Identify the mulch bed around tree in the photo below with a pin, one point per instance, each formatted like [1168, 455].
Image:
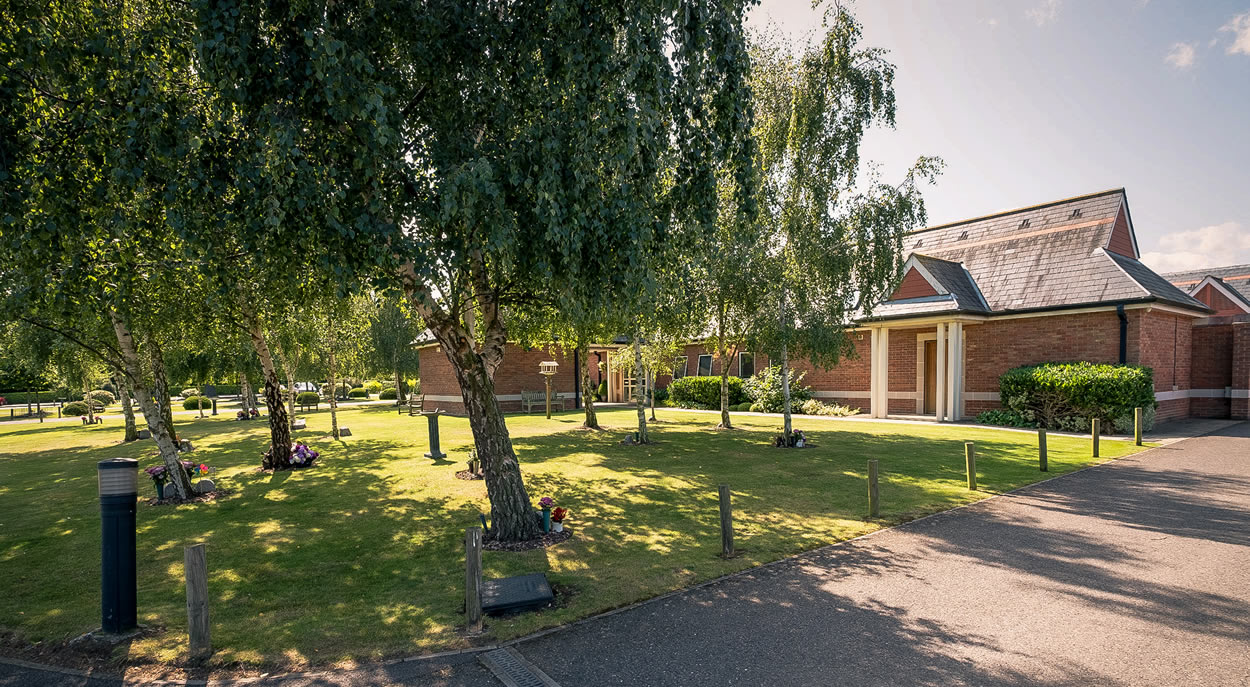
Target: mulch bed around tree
[465, 474]
[548, 539]
[198, 498]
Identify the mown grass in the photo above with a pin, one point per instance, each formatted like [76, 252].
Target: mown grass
[362, 557]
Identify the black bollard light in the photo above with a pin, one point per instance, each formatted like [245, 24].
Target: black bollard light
[214, 406]
[119, 491]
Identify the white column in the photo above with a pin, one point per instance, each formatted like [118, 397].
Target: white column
[874, 363]
[952, 333]
[957, 412]
[885, 371]
[940, 373]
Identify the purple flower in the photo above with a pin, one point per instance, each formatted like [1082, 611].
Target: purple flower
[546, 502]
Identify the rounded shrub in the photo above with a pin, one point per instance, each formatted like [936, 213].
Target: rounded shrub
[78, 408]
[192, 402]
[388, 394]
[1066, 395]
[103, 397]
[602, 392]
[308, 398]
[189, 392]
[765, 390]
[358, 392]
[704, 392]
[374, 387]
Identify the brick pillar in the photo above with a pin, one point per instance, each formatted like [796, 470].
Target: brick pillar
[1240, 405]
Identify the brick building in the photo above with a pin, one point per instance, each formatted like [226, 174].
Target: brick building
[1060, 281]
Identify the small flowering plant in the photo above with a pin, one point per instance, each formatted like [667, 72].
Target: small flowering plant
[160, 474]
[558, 514]
[546, 502]
[303, 456]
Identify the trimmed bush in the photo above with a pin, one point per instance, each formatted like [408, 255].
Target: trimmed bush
[704, 392]
[813, 407]
[742, 407]
[1004, 418]
[1065, 396]
[189, 392]
[661, 395]
[103, 397]
[78, 408]
[602, 392]
[764, 389]
[191, 403]
[358, 392]
[388, 394]
[373, 387]
[307, 398]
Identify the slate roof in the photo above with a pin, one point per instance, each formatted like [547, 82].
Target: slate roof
[1235, 277]
[1044, 257]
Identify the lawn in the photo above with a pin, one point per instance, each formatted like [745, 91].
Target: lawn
[362, 556]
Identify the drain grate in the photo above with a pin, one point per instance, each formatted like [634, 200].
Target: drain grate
[513, 670]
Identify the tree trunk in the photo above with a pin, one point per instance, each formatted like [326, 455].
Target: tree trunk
[640, 400]
[86, 397]
[123, 394]
[651, 389]
[199, 400]
[334, 390]
[160, 388]
[512, 514]
[399, 389]
[279, 429]
[245, 394]
[722, 352]
[785, 393]
[289, 371]
[588, 390]
[162, 433]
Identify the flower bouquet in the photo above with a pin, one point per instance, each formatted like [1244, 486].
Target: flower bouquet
[302, 456]
[557, 519]
[160, 474]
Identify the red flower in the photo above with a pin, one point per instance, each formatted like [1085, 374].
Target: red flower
[558, 514]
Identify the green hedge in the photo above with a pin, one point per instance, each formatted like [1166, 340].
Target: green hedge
[358, 392]
[191, 403]
[78, 408]
[388, 394]
[1066, 396]
[704, 392]
[373, 387]
[19, 397]
[308, 398]
[104, 397]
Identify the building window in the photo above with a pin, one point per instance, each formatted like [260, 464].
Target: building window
[679, 366]
[746, 365]
[705, 365]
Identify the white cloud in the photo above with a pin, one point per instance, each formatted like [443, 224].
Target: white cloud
[1214, 246]
[1239, 26]
[1181, 55]
[1043, 13]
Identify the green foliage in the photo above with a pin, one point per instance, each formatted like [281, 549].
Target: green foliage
[1066, 395]
[21, 397]
[308, 398]
[343, 389]
[194, 403]
[373, 387]
[103, 397]
[388, 394]
[814, 407]
[1004, 418]
[358, 392]
[704, 392]
[764, 390]
[661, 395]
[75, 408]
[602, 392]
[227, 389]
[741, 407]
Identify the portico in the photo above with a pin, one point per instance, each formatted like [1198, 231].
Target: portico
[939, 369]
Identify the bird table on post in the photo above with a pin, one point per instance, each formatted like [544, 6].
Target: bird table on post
[548, 369]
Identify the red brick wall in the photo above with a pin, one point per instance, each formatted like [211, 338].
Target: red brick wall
[1211, 368]
[518, 372]
[1165, 346]
[692, 353]
[914, 286]
[1240, 406]
[850, 374]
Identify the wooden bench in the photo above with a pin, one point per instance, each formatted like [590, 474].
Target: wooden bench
[529, 399]
[416, 404]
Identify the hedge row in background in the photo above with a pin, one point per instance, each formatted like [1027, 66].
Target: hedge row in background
[704, 392]
[1065, 396]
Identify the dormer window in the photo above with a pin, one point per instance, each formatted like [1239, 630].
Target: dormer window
[963, 235]
[1024, 224]
[1075, 213]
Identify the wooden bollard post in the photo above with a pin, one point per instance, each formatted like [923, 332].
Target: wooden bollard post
[1095, 431]
[726, 523]
[1041, 449]
[195, 565]
[874, 497]
[1137, 425]
[970, 459]
[473, 579]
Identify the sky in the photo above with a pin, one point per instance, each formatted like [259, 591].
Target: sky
[1029, 101]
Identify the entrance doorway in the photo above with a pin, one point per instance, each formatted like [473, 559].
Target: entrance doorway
[930, 378]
